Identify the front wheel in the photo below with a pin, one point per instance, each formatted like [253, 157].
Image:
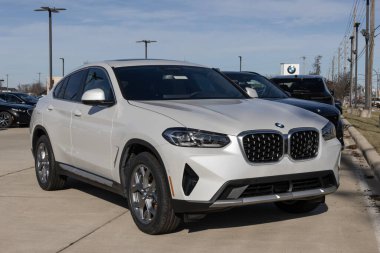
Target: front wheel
[6, 119]
[46, 168]
[149, 197]
[300, 206]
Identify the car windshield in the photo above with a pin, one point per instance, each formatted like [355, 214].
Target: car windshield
[263, 87]
[174, 83]
[27, 98]
[300, 86]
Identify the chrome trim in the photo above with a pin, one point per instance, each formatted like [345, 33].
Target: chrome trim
[261, 131]
[86, 174]
[274, 197]
[286, 143]
[295, 130]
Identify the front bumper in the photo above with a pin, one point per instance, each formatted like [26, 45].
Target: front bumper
[219, 168]
[264, 190]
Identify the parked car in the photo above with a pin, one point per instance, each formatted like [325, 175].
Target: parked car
[14, 114]
[267, 90]
[376, 102]
[18, 98]
[309, 87]
[179, 140]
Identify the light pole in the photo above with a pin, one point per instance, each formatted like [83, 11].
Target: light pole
[63, 66]
[50, 10]
[351, 73]
[356, 63]
[146, 42]
[7, 81]
[39, 77]
[240, 61]
[1, 80]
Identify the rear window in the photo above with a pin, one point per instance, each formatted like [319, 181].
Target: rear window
[307, 85]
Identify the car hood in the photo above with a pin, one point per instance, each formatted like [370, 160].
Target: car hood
[233, 116]
[319, 108]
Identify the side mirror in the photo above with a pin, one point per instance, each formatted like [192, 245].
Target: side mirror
[251, 92]
[94, 97]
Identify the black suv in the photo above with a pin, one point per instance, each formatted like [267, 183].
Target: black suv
[267, 90]
[309, 87]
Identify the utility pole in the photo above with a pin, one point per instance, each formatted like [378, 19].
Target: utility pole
[146, 42]
[39, 77]
[338, 64]
[351, 73]
[367, 106]
[371, 52]
[7, 82]
[345, 57]
[332, 70]
[356, 63]
[240, 62]
[63, 66]
[304, 64]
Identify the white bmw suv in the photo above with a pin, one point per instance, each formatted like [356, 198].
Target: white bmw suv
[179, 140]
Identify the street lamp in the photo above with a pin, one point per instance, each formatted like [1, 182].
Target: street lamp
[240, 62]
[146, 42]
[50, 10]
[63, 66]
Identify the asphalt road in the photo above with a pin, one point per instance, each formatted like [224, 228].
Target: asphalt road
[85, 219]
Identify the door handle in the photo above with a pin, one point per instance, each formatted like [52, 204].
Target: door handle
[50, 108]
[77, 113]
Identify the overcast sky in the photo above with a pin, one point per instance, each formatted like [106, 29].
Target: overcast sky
[209, 32]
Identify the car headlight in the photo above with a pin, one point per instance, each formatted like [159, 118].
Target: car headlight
[185, 137]
[328, 131]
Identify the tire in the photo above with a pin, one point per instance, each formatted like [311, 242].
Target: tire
[300, 206]
[46, 167]
[6, 119]
[148, 195]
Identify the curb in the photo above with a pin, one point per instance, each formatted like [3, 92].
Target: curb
[369, 152]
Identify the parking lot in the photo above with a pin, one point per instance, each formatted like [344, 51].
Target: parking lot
[82, 218]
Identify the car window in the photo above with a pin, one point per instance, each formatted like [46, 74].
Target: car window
[98, 79]
[2, 96]
[174, 83]
[73, 87]
[59, 88]
[263, 87]
[304, 85]
[13, 99]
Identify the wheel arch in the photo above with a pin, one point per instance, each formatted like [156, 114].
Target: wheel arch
[38, 131]
[134, 147]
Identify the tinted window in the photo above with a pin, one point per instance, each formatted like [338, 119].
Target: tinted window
[73, 87]
[13, 99]
[298, 86]
[59, 88]
[2, 96]
[174, 82]
[98, 79]
[28, 98]
[263, 87]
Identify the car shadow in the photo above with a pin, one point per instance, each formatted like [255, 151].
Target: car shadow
[236, 217]
[247, 216]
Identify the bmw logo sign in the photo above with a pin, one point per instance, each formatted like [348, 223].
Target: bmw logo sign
[279, 125]
[292, 69]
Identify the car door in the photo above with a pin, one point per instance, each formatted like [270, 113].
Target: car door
[92, 127]
[57, 116]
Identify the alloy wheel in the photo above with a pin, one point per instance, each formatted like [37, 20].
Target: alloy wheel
[43, 164]
[5, 119]
[143, 195]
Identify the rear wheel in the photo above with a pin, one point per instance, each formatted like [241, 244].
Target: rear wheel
[149, 197]
[300, 206]
[46, 167]
[6, 119]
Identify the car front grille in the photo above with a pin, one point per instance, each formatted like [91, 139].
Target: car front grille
[263, 147]
[279, 184]
[304, 144]
[266, 146]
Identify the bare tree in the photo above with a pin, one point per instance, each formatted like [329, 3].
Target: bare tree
[341, 88]
[35, 88]
[316, 66]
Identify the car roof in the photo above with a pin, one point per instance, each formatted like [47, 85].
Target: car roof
[296, 77]
[139, 62]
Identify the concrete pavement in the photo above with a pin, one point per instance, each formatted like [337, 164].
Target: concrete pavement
[86, 219]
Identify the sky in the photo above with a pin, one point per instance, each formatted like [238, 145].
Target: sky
[209, 32]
